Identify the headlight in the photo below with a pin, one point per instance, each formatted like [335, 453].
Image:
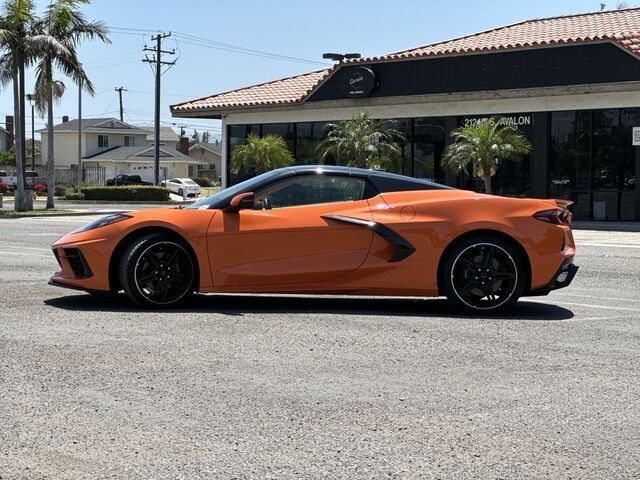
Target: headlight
[104, 221]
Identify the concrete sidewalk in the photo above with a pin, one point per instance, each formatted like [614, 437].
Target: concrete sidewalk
[606, 226]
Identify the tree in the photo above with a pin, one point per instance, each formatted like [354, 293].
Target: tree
[195, 138]
[478, 146]
[360, 142]
[205, 137]
[16, 39]
[64, 22]
[262, 153]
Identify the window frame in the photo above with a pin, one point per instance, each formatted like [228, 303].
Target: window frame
[103, 141]
[367, 191]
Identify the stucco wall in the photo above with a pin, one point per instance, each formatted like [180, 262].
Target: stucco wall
[215, 161]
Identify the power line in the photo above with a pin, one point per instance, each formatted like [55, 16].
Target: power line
[204, 42]
[212, 44]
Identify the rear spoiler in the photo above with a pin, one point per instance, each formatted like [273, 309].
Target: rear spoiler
[563, 204]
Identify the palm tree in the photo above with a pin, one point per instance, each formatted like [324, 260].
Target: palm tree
[478, 146]
[65, 23]
[264, 153]
[360, 142]
[16, 21]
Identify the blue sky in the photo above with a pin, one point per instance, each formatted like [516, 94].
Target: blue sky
[303, 29]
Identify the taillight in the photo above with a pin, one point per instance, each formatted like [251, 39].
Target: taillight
[555, 216]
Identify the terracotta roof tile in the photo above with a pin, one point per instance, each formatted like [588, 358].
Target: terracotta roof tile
[618, 26]
[281, 91]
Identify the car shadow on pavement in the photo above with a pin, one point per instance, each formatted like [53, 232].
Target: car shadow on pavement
[239, 305]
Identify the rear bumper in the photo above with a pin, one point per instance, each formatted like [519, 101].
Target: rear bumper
[562, 278]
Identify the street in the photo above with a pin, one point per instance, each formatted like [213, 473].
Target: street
[318, 387]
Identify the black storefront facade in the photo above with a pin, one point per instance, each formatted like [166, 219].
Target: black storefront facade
[578, 104]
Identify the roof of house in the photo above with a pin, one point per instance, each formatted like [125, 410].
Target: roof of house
[211, 147]
[166, 134]
[621, 27]
[96, 125]
[137, 154]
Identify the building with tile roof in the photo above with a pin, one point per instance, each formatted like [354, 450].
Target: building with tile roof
[571, 83]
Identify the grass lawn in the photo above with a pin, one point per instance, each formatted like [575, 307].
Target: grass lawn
[208, 191]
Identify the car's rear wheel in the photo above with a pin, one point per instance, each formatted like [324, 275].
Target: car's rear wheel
[157, 271]
[483, 274]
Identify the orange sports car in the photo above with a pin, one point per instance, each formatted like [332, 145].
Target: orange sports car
[329, 230]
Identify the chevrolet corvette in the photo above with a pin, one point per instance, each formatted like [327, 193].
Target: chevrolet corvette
[328, 230]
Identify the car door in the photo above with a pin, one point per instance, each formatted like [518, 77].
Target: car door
[173, 185]
[289, 237]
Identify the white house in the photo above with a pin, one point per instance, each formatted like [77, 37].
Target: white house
[211, 154]
[168, 138]
[110, 147]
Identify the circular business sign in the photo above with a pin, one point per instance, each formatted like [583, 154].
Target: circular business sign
[357, 82]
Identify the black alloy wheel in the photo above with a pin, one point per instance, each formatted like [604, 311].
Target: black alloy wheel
[180, 192]
[157, 271]
[484, 274]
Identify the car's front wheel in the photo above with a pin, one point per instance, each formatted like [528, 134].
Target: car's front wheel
[157, 270]
[483, 275]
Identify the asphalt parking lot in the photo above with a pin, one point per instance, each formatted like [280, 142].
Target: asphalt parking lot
[299, 387]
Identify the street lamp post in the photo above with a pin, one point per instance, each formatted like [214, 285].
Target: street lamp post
[31, 97]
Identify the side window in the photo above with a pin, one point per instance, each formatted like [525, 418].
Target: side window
[309, 190]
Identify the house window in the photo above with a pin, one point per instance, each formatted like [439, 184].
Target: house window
[103, 141]
[129, 141]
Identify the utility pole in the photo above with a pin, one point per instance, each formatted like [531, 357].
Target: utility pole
[120, 90]
[79, 135]
[31, 97]
[157, 60]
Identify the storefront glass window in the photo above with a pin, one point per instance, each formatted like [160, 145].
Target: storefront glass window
[429, 143]
[613, 166]
[309, 136]
[284, 130]
[570, 151]
[399, 162]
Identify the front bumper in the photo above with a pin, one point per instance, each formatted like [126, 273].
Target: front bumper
[84, 265]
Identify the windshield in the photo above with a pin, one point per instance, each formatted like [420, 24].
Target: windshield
[230, 192]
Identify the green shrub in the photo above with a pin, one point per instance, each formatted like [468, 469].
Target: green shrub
[60, 190]
[129, 193]
[203, 182]
[71, 195]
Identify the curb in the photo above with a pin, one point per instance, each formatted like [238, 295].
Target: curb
[67, 214]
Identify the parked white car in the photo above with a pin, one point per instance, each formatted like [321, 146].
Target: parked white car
[185, 187]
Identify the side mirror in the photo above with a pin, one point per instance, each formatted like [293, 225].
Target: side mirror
[240, 202]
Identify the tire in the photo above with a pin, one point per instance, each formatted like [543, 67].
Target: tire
[158, 271]
[483, 275]
[180, 192]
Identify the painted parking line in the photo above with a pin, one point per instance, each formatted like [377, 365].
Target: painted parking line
[567, 294]
[587, 305]
[617, 317]
[20, 247]
[26, 253]
[612, 245]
